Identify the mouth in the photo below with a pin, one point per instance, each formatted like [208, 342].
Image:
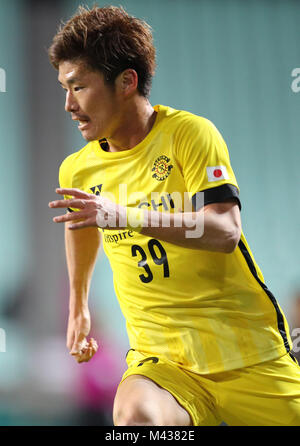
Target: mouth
[82, 123]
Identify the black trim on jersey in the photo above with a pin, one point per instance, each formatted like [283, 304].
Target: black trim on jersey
[70, 210]
[280, 320]
[131, 349]
[293, 358]
[104, 144]
[218, 195]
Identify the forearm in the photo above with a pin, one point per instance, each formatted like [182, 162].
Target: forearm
[216, 227]
[81, 253]
[206, 229]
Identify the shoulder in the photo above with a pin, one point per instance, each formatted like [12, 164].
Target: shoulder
[192, 135]
[71, 163]
[76, 157]
[195, 127]
[185, 125]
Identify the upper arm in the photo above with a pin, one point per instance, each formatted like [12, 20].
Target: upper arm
[83, 240]
[82, 248]
[81, 245]
[229, 210]
[204, 159]
[227, 218]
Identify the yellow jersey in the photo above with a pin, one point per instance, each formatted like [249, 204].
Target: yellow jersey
[204, 311]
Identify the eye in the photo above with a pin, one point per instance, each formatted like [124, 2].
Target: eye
[78, 88]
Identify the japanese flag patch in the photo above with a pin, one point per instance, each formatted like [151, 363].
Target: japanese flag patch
[217, 173]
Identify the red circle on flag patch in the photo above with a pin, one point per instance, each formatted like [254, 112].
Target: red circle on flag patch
[217, 173]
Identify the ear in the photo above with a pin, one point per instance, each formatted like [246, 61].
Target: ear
[128, 81]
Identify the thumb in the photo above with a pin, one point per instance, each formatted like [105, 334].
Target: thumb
[78, 344]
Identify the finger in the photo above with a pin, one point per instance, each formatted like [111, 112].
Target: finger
[79, 344]
[71, 203]
[90, 348]
[87, 352]
[71, 216]
[74, 192]
[94, 344]
[87, 355]
[83, 357]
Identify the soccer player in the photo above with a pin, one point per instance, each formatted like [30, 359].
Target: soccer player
[209, 341]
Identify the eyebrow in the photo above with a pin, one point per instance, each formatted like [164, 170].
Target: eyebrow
[70, 81]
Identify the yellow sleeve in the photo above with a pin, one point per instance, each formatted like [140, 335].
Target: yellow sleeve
[65, 176]
[204, 159]
[65, 173]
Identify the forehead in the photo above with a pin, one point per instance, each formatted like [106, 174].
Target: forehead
[70, 71]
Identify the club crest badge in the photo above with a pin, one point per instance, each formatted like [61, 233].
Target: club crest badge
[161, 168]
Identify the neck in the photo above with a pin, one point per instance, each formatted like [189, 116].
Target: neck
[134, 125]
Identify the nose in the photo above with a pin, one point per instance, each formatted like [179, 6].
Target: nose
[70, 104]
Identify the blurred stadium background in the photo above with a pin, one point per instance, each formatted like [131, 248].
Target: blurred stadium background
[228, 60]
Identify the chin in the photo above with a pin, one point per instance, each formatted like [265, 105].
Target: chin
[88, 136]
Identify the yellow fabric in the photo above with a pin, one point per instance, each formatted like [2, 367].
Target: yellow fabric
[135, 219]
[205, 311]
[265, 394]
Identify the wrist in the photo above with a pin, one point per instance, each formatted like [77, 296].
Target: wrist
[77, 304]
